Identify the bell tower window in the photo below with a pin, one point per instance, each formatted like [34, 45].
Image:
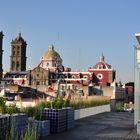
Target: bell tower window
[13, 65]
[18, 50]
[17, 66]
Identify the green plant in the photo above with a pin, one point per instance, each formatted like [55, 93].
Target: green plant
[41, 105]
[119, 105]
[57, 103]
[2, 105]
[11, 133]
[31, 133]
[38, 114]
[2, 101]
[12, 109]
[66, 103]
[84, 103]
[29, 110]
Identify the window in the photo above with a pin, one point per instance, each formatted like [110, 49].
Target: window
[13, 65]
[13, 52]
[85, 77]
[18, 50]
[68, 86]
[17, 65]
[62, 87]
[37, 82]
[73, 87]
[47, 64]
[100, 76]
[62, 76]
[73, 76]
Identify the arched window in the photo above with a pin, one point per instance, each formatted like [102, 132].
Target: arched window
[73, 76]
[80, 75]
[47, 64]
[13, 65]
[17, 68]
[18, 50]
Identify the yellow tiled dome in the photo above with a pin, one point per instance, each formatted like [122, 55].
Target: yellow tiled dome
[51, 54]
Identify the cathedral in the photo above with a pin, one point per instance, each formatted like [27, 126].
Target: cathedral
[47, 71]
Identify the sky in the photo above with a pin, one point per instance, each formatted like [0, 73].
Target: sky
[80, 30]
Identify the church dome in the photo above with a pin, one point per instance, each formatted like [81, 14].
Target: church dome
[102, 64]
[51, 54]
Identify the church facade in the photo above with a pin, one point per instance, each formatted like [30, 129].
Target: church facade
[104, 75]
[44, 77]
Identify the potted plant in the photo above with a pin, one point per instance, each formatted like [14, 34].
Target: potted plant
[42, 126]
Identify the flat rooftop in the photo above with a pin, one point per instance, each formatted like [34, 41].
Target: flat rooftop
[104, 126]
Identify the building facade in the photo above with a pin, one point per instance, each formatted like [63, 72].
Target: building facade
[51, 76]
[44, 77]
[137, 80]
[104, 75]
[18, 54]
[19, 78]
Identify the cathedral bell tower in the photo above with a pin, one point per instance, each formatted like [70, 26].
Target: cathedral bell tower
[1, 53]
[18, 54]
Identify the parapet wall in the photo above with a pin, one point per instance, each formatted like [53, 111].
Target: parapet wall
[82, 113]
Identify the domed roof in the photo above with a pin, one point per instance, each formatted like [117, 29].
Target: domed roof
[102, 64]
[51, 53]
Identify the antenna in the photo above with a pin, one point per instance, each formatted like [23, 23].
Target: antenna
[58, 42]
[58, 37]
[79, 59]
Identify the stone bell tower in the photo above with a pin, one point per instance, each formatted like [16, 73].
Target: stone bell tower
[18, 54]
[1, 53]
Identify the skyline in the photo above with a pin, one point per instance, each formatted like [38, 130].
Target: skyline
[81, 32]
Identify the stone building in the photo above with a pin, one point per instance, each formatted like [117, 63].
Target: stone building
[1, 54]
[18, 54]
[17, 73]
[38, 76]
[44, 77]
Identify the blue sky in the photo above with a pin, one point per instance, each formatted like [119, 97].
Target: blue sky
[81, 31]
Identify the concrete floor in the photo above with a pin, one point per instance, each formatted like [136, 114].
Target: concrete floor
[105, 126]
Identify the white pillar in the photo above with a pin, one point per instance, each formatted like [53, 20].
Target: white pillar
[137, 85]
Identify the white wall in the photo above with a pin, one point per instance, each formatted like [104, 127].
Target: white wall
[82, 113]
